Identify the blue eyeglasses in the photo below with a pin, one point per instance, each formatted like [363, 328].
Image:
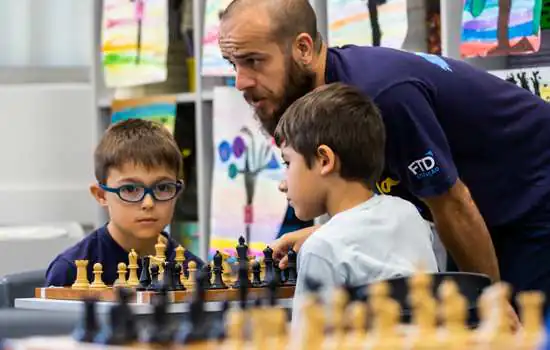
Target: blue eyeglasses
[133, 193]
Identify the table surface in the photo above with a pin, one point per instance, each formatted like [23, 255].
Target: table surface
[103, 307]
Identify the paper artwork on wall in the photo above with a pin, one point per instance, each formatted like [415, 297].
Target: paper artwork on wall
[248, 168]
[213, 63]
[535, 80]
[161, 109]
[134, 42]
[500, 27]
[369, 22]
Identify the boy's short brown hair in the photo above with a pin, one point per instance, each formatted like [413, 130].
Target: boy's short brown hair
[344, 119]
[138, 141]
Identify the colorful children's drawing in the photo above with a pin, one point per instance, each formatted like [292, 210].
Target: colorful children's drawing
[134, 42]
[500, 27]
[161, 109]
[247, 171]
[535, 80]
[367, 22]
[213, 63]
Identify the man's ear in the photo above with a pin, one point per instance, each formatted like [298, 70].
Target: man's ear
[326, 159]
[303, 49]
[99, 194]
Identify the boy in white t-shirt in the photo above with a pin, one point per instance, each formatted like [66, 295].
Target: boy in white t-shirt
[332, 141]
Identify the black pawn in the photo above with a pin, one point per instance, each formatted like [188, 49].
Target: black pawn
[196, 328]
[243, 287]
[218, 271]
[217, 332]
[155, 284]
[256, 270]
[277, 272]
[177, 278]
[168, 277]
[208, 276]
[242, 250]
[268, 260]
[159, 331]
[128, 325]
[291, 268]
[87, 329]
[272, 292]
[145, 276]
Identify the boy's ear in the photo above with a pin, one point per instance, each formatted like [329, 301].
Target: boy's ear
[326, 159]
[99, 194]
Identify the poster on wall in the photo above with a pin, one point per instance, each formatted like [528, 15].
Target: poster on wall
[367, 22]
[247, 170]
[161, 109]
[213, 63]
[134, 42]
[535, 80]
[500, 27]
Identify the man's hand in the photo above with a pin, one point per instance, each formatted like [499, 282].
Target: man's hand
[292, 239]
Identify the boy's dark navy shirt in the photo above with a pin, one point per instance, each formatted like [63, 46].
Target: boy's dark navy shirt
[447, 119]
[100, 247]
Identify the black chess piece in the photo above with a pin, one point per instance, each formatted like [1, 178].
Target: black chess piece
[177, 280]
[129, 326]
[218, 272]
[121, 328]
[112, 333]
[291, 268]
[87, 328]
[217, 332]
[272, 286]
[243, 287]
[208, 279]
[242, 250]
[155, 284]
[277, 272]
[256, 279]
[159, 331]
[145, 276]
[168, 277]
[268, 261]
[196, 328]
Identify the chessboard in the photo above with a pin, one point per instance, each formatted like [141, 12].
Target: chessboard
[354, 323]
[178, 280]
[146, 297]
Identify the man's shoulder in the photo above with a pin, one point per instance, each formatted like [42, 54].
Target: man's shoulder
[371, 69]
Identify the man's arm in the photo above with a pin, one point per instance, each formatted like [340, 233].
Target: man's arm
[463, 231]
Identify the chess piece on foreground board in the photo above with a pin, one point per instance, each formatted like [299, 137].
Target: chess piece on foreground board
[158, 273]
[353, 321]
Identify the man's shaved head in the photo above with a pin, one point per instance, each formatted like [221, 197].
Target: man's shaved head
[287, 18]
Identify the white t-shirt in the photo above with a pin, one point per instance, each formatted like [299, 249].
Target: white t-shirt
[381, 238]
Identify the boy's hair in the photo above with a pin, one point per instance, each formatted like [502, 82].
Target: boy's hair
[138, 141]
[344, 119]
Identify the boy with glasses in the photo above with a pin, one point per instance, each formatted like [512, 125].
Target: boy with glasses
[137, 164]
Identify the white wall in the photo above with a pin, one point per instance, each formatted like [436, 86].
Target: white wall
[45, 32]
[46, 147]
[48, 120]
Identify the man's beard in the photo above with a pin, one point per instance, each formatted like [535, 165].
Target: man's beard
[298, 82]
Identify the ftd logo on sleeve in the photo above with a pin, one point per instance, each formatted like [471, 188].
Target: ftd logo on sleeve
[424, 167]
